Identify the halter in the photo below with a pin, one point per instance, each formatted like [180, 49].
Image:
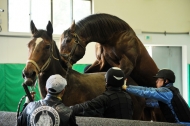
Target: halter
[46, 64]
[77, 41]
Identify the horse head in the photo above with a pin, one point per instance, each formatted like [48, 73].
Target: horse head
[72, 47]
[40, 54]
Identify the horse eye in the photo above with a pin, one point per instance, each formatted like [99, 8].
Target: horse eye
[68, 40]
[47, 47]
[65, 41]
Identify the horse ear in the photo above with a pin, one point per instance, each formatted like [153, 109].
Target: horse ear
[33, 28]
[72, 28]
[49, 28]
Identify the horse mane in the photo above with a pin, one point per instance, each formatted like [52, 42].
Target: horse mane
[101, 26]
[63, 64]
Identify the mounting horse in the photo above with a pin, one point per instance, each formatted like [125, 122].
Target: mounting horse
[117, 46]
[44, 60]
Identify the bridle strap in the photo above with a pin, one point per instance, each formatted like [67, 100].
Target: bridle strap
[78, 40]
[46, 64]
[44, 67]
[34, 63]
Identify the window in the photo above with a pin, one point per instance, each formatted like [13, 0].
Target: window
[60, 12]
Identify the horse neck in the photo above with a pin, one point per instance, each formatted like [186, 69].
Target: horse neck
[86, 38]
[58, 66]
[56, 62]
[101, 33]
[53, 68]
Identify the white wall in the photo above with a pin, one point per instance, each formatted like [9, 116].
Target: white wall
[149, 15]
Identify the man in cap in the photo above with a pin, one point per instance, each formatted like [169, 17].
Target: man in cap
[171, 103]
[49, 111]
[113, 103]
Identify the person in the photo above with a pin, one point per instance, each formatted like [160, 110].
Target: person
[49, 111]
[113, 103]
[171, 103]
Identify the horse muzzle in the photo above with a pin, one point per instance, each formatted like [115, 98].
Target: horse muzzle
[29, 79]
[29, 82]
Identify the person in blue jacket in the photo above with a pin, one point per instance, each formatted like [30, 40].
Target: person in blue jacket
[171, 103]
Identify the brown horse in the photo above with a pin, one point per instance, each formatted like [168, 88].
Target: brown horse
[44, 60]
[118, 46]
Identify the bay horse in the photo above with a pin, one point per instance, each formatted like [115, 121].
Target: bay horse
[44, 60]
[117, 46]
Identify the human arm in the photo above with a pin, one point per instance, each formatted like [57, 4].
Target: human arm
[72, 120]
[161, 94]
[152, 103]
[95, 107]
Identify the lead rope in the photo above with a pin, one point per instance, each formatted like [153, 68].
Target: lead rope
[18, 108]
[19, 104]
[69, 59]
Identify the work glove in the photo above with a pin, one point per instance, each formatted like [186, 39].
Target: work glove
[124, 87]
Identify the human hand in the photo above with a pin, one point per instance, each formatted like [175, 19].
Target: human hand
[124, 87]
[32, 94]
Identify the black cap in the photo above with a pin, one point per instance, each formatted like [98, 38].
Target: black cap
[166, 74]
[115, 77]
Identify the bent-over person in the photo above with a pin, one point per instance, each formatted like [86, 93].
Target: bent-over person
[113, 103]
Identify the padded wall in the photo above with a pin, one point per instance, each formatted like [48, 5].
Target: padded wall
[11, 85]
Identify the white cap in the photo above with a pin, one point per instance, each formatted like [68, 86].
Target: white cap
[55, 83]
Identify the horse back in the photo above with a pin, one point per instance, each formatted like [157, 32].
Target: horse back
[83, 87]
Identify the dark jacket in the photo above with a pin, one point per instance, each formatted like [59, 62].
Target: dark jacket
[113, 103]
[65, 113]
[168, 99]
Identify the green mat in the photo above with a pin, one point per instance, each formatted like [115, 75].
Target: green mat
[11, 85]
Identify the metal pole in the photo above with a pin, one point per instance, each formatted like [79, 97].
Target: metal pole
[52, 12]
